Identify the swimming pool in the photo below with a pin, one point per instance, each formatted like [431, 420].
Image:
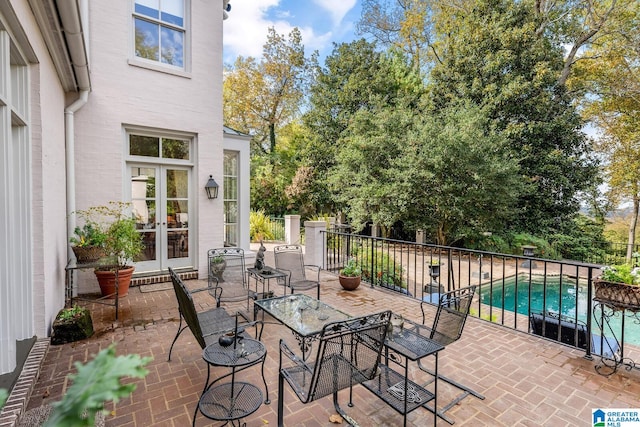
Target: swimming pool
[570, 299]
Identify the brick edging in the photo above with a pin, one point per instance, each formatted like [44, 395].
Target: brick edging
[21, 392]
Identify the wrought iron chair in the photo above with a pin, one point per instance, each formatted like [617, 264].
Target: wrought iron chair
[451, 316]
[289, 259]
[206, 326]
[348, 353]
[226, 268]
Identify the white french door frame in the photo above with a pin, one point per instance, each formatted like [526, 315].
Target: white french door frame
[170, 236]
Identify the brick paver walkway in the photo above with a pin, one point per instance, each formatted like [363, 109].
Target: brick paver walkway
[527, 381]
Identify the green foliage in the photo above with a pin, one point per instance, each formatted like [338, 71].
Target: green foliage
[623, 273]
[580, 239]
[70, 313]
[261, 97]
[95, 383]
[491, 55]
[89, 235]
[440, 172]
[115, 221]
[381, 270]
[351, 268]
[543, 248]
[260, 226]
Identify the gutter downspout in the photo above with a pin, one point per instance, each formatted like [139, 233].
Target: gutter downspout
[74, 17]
[69, 129]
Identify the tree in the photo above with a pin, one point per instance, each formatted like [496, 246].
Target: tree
[261, 97]
[612, 102]
[401, 24]
[440, 172]
[354, 78]
[491, 55]
[578, 24]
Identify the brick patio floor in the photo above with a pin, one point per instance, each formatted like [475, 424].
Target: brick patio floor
[527, 381]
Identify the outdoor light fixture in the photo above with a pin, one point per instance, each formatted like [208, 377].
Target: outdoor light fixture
[211, 188]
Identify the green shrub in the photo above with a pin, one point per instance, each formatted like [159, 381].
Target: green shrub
[386, 272]
[260, 226]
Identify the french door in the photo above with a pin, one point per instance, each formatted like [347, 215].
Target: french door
[160, 195]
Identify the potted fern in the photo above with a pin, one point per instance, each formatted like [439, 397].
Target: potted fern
[350, 275]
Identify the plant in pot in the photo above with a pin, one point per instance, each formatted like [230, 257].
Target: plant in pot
[123, 244]
[619, 287]
[350, 276]
[88, 243]
[218, 265]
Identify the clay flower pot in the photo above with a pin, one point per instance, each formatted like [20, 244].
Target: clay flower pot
[349, 283]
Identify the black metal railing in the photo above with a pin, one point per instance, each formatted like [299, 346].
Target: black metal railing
[509, 287]
[608, 253]
[276, 227]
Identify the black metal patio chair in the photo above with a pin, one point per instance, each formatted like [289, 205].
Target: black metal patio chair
[348, 353]
[451, 316]
[208, 325]
[226, 268]
[289, 258]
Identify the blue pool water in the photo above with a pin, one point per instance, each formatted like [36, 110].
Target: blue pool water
[569, 300]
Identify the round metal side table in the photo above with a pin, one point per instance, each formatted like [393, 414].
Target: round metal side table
[231, 401]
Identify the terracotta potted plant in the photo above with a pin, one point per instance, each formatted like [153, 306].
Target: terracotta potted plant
[619, 287]
[122, 244]
[350, 276]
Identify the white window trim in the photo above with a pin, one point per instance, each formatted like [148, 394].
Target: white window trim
[185, 70]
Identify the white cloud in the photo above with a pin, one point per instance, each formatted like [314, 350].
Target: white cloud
[245, 31]
[337, 8]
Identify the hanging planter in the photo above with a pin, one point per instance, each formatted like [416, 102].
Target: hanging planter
[617, 295]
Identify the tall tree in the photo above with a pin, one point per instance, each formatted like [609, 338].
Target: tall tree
[491, 55]
[401, 24]
[440, 172]
[578, 24]
[260, 97]
[612, 102]
[355, 76]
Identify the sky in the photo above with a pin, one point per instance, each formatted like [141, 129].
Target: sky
[321, 23]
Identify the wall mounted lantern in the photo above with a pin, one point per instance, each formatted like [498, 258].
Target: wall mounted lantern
[211, 188]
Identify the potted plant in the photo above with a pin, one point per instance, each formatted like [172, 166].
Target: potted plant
[218, 265]
[122, 244]
[350, 276]
[619, 287]
[88, 243]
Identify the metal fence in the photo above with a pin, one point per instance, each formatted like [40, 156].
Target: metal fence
[610, 253]
[276, 227]
[510, 288]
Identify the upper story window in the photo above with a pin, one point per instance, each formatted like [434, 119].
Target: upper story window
[160, 31]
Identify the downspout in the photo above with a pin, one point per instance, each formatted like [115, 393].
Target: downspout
[69, 129]
[74, 17]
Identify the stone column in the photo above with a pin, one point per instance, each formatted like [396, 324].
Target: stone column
[292, 229]
[315, 236]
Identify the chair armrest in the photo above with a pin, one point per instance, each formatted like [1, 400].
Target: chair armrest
[315, 268]
[287, 279]
[286, 351]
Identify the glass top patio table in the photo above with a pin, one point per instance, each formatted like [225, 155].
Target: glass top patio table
[304, 315]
